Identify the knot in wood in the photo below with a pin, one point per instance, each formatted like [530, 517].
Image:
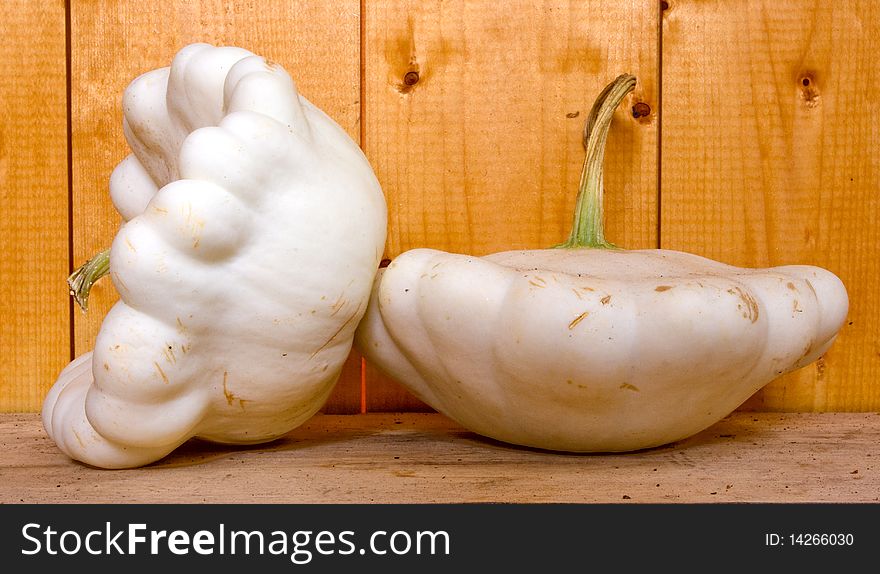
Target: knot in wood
[641, 110]
[411, 78]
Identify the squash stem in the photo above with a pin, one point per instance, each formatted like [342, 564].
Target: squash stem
[81, 280]
[588, 229]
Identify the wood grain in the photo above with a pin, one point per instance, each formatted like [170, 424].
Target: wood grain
[768, 151]
[424, 458]
[473, 119]
[769, 157]
[347, 395]
[317, 42]
[35, 316]
[383, 394]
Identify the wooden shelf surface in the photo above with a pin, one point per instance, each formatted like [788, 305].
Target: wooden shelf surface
[425, 458]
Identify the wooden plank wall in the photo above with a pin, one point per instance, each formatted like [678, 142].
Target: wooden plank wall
[483, 153]
[769, 157]
[759, 147]
[35, 311]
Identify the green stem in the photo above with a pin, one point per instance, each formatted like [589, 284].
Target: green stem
[81, 280]
[588, 227]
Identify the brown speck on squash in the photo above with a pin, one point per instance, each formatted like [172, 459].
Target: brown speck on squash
[339, 304]
[578, 319]
[749, 302]
[339, 330]
[161, 372]
[118, 281]
[662, 288]
[229, 396]
[810, 285]
[629, 387]
[807, 350]
[605, 300]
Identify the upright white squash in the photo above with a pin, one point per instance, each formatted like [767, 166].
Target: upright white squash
[253, 230]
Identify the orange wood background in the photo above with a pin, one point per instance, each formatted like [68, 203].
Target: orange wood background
[34, 203]
[759, 148]
[769, 157]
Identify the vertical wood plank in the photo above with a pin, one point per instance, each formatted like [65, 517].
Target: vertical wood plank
[473, 120]
[317, 42]
[346, 396]
[35, 315]
[384, 394]
[769, 156]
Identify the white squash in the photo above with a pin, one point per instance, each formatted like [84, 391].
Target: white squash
[588, 347]
[253, 230]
